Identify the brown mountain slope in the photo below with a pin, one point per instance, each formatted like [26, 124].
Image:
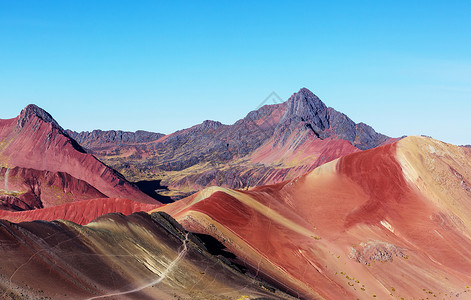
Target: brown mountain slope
[140, 256]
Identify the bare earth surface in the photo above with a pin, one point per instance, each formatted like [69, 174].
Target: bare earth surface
[388, 223]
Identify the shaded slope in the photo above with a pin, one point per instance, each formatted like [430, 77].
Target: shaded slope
[140, 256]
[393, 220]
[34, 140]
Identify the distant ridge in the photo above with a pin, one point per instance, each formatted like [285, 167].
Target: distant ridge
[271, 144]
[97, 138]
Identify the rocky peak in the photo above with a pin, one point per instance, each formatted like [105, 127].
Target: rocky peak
[306, 107]
[304, 104]
[33, 111]
[209, 124]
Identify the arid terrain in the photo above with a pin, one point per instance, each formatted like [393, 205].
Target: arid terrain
[271, 144]
[295, 201]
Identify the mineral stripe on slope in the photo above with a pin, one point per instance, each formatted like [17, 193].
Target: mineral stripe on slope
[375, 225]
[266, 235]
[251, 202]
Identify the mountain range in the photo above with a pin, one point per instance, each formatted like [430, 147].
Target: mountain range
[294, 201]
[271, 144]
[393, 221]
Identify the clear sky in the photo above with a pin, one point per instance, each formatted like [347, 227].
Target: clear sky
[403, 67]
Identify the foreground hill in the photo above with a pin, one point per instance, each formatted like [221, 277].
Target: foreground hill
[140, 256]
[393, 220]
[270, 145]
[41, 166]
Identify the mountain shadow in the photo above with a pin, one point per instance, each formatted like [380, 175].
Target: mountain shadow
[149, 188]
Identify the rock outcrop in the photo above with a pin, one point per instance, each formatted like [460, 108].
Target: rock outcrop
[98, 138]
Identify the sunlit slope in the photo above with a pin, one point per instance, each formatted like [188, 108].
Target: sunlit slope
[389, 222]
[442, 173]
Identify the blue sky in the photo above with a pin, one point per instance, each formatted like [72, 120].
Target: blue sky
[403, 67]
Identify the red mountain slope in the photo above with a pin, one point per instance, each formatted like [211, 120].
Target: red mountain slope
[23, 189]
[394, 220]
[34, 140]
[81, 212]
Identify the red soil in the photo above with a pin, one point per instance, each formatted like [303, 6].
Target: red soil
[361, 200]
[279, 244]
[82, 212]
[30, 141]
[38, 189]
